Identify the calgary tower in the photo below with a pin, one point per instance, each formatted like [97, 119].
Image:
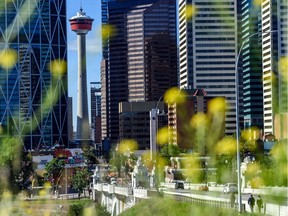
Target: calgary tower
[81, 24]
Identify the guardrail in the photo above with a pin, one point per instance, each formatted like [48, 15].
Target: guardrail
[140, 193]
[123, 191]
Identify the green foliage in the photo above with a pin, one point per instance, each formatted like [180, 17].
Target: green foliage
[81, 179]
[15, 165]
[101, 210]
[274, 167]
[117, 162]
[168, 151]
[89, 155]
[86, 208]
[76, 209]
[225, 164]
[54, 170]
[167, 207]
[23, 178]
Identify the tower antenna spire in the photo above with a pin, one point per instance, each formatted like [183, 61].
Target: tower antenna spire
[81, 8]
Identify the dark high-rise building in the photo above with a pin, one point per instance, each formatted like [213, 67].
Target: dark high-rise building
[134, 121]
[251, 64]
[70, 120]
[141, 63]
[33, 95]
[95, 94]
[180, 128]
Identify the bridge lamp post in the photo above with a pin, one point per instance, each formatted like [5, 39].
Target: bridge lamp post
[237, 115]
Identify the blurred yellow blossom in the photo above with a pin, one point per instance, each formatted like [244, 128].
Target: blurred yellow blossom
[250, 134]
[199, 120]
[107, 30]
[8, 58]
[58, 67]
[257, 2]
[283, 67]
[127, 145]
[174, 95]
[163, 136]
[217, 105]
[190, 11]
[192, 168]
[226, 146]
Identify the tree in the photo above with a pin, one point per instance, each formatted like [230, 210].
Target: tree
[89, 155]
[81, 180]
[117, 162]
[12, 164]
[23, 176]
[54, 170]
[168, 151]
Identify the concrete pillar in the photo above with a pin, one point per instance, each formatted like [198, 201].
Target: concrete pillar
[83, 132]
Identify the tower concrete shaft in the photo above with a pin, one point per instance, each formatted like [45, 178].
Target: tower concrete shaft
[82, 132]
[81, 25]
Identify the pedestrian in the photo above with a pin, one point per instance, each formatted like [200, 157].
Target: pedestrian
[251, 202]
[232, 200]
[259, 203]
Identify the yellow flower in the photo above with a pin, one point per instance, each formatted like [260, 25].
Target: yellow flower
[190, 11]
[251, 133]
[226, 146]
[283, 67]
[163, 136]
[127, 145]
[174, 95]
[107, 31]
[257, 2]
[58, 67]
[8, 58]
[217, 105]
[199, 120]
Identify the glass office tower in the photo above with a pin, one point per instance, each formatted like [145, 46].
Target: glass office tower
[251, 55]
[33, 100]
[141, 62]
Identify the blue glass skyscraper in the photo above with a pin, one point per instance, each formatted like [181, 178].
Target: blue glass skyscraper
[33, 101]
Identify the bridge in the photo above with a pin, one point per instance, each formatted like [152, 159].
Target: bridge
[119, 198]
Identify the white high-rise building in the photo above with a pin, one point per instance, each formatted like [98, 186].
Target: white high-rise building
[274, 50]
[208, 50]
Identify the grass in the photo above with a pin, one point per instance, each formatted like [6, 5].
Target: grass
[170, 207]
[41, 207]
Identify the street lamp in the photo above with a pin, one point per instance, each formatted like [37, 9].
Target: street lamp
[237, 116]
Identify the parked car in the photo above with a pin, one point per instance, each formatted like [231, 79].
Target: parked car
[203, 188]
[179, 185]
[230, 188]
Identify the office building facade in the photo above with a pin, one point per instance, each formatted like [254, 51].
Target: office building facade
[181, 131]
[274, 55]
[208, 50]
[95, 95]
[134, 121]
[251, 64]
[33, 98]
[142, 60]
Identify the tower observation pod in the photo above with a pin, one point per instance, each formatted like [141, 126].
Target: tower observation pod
[81, 24]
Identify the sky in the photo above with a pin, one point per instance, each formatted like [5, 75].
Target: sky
[93, 49]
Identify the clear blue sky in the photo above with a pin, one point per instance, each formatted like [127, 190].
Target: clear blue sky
[93, 48]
